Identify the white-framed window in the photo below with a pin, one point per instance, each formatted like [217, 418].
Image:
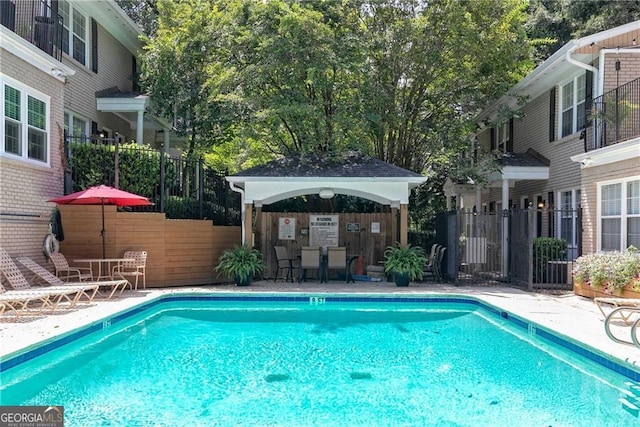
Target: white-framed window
[74, 33]
[619, 214]
[502, 136]
[25, 116]
[572, 106]
[76, 126]
[568, 204]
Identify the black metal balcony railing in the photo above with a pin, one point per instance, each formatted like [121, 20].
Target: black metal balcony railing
[615, 117]
[35, 21]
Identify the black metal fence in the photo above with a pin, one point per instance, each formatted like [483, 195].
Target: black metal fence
[615, 117]
[181, 187]
[530, 248]
[35, 21]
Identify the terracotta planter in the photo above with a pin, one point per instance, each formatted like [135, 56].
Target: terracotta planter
[589, 292]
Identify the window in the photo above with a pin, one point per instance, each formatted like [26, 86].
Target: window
[619, 215]
[75, 126]
[502, 137]
[74, 33]
[25, 114]
[569, 202]
[572, 106]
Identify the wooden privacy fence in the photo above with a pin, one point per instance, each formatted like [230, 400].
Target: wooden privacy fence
[360, 239]
[180, 252]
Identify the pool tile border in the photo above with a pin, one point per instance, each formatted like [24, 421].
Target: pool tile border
[580, 349]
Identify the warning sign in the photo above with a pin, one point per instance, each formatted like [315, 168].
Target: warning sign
[287, 229]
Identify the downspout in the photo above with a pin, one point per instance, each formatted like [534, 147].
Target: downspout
[595, 90]
[242, 208]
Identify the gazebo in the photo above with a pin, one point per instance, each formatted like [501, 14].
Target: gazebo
[326, 175]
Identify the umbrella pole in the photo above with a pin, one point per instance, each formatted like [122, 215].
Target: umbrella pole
[102, 233]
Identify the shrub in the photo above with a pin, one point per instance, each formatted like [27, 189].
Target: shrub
[546, 249]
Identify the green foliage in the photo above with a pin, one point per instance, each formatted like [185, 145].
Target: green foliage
[240, 263]
[609, 271]
[546, 249]
[405, 260]
[139, 167]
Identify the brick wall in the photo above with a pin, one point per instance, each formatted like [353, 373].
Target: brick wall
[25, 186]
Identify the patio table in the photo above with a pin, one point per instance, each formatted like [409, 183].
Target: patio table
[100, 262]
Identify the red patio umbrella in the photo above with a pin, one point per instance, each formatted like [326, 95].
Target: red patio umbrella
[102, 195]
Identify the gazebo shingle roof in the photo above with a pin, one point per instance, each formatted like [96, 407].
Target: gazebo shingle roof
[351, 164]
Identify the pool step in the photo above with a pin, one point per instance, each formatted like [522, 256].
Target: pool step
[631, 400]
[629, 407]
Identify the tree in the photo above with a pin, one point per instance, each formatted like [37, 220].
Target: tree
[559, 21]
[142, 12]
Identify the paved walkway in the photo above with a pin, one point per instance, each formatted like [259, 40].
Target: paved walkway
[572, 316]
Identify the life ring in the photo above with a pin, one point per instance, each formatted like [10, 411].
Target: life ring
[50, 245]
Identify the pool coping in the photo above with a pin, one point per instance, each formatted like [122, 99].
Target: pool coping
[623, 367]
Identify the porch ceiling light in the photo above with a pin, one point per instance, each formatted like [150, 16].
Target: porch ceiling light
[326, 193]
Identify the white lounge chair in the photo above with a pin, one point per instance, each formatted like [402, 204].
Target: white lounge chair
[617, 303]
[57, 294]
[90, 289]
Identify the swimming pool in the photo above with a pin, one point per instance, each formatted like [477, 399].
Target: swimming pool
[317, 361]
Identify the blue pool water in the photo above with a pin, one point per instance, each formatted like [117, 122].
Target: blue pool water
[190, 363]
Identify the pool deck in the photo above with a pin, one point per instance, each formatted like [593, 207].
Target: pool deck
[575, 317]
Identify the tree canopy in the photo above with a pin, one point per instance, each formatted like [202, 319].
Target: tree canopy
[399, 79]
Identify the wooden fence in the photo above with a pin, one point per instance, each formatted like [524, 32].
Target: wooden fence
[370, 245]
[180, 252]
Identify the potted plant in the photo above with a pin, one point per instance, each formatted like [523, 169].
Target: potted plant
[404, 262]
[241, 263]
[609, 272]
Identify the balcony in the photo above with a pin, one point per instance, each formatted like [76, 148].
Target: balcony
[615, 117]
[35, 21]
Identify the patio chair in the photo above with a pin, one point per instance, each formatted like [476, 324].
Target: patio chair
[431, 261]
[90, 288]
[135, 268]
[62, 267]
[310, 259]
[434, 270]
[337, 260]
[283, 262]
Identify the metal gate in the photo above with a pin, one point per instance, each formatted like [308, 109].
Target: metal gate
[530, 248]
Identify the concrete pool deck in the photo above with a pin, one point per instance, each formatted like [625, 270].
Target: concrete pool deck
[575, 317]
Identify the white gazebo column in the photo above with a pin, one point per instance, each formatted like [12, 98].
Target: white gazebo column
[448, 202]
[140, 127]
[478, 199]
[505, 227]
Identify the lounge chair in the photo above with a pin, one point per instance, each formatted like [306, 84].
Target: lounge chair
[136, 268]
[18, 301]
[62, 267]
[57, 294]
[617, 303]
[90, 289]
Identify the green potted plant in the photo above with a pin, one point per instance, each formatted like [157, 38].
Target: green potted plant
[404, 262]
[609, 272]
[241, 263]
